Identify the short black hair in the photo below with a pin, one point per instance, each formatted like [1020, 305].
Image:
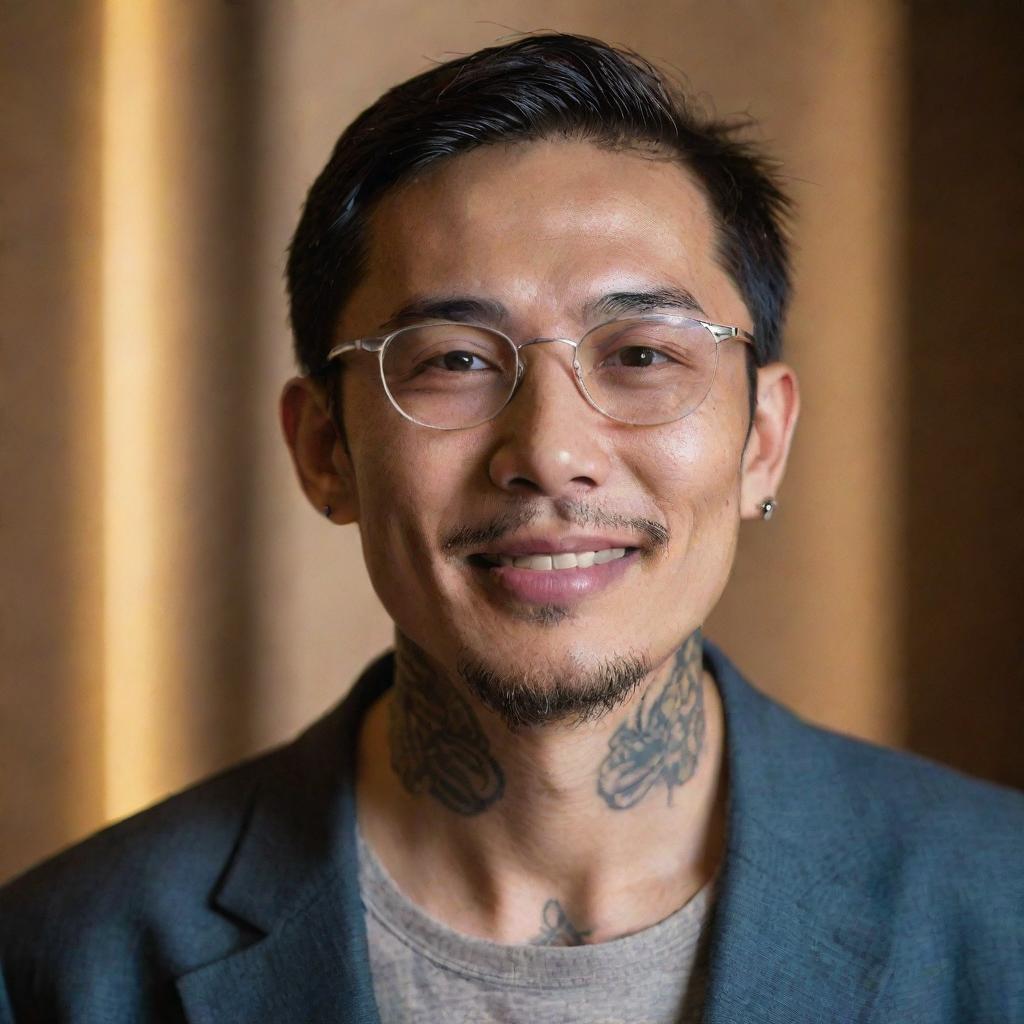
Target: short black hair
[537, 87]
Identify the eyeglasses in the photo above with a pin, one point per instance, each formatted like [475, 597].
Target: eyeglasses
[644, 371]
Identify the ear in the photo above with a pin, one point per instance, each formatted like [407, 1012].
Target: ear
[319, 454]
[767, 449]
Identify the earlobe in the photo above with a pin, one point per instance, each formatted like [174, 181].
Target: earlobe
[771, 433]
[321, 461]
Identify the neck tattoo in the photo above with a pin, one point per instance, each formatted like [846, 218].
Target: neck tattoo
[439, 747]
[659, 743]
[437, 744]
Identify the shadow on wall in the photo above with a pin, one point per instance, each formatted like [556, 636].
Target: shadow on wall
[965, 517]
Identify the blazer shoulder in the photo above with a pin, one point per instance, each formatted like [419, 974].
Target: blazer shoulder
[111, 921]
[858, 809]
[910, 790]
[803, 779]
[944, 854]
[156, 865]
[923, 825]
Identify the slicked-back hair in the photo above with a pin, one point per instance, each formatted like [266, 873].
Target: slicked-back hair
[535, 88]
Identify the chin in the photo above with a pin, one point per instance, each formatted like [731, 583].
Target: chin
[538, 691]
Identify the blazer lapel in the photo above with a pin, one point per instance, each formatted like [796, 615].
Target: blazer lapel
[781, 955]
[294, 881]
[800, 931]
[308, 969]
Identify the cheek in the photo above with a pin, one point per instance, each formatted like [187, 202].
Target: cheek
[387, 479]
[397, 500]
[408, 479]
[693, 471]
[395, 525]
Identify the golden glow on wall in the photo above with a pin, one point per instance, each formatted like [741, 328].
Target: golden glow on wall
[136, 673]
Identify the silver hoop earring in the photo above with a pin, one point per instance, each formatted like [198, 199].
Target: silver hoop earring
[768, 507]
[327, 511]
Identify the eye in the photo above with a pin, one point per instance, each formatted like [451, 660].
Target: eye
[448, 356]
[459, 361]
[652, 345]
[636, 356]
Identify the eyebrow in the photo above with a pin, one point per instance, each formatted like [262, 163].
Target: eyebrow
[459, 308]
[619, 303]
[472, 309]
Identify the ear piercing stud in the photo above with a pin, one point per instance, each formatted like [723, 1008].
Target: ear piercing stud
[768, 507]
[327, 511]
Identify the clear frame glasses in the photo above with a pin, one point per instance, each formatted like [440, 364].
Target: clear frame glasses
[644, 371]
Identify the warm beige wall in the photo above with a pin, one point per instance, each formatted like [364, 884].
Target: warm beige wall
[175, 602]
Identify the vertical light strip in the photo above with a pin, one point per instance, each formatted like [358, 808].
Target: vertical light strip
[133, 658]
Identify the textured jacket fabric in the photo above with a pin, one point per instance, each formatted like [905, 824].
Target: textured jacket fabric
[859, 885]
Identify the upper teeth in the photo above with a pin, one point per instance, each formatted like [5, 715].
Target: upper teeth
[567, 560]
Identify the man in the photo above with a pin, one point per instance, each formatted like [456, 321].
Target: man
[538, 306]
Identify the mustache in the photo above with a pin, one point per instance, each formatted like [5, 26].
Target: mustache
[576, 513]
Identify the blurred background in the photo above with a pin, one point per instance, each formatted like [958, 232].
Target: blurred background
[169, 601]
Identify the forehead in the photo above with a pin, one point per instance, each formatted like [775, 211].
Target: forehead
[544, 228]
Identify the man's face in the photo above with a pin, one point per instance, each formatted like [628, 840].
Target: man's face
[545, 230]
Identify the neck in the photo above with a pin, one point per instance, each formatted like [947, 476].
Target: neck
[575, 830]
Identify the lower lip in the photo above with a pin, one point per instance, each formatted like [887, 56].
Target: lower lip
[557, 586]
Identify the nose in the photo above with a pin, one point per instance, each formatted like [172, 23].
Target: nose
[549, 440]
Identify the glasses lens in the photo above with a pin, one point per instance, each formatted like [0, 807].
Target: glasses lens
[449, 375]
[648, 371]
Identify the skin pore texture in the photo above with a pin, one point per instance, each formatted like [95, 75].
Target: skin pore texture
[545, 771]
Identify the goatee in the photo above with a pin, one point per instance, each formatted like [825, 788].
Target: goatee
[524, 701]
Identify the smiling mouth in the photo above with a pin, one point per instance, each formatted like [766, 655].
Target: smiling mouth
[553, 563]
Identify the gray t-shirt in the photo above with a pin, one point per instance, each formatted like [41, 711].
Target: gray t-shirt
[425, 972]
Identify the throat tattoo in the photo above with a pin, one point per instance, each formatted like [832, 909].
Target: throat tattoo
[557, 929]
[660, 743]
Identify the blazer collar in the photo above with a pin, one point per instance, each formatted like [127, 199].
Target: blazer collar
[799, 932]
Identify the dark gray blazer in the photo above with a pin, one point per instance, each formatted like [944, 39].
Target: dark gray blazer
[859, 885]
